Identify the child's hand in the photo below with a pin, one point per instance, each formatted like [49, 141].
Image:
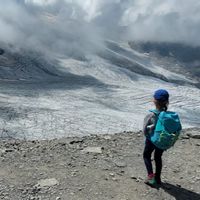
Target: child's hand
[150, 127]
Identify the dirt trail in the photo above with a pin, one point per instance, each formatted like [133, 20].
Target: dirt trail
[72, 169]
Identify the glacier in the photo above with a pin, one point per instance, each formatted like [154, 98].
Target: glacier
[102, 93]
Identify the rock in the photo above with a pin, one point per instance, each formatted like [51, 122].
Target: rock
[76, 141]
[115, 179]
[185, 137]
[8, 150]
[97, 150]
[137, 180]
[2, 151]
[176, 170]
[197, 178]
[74, 173]
[47, 183]
[107, 137]
[194, 134]
[139, 135]
[58, 198]
[120, 163]
[178, 185]
[133, 177]
[111, 174]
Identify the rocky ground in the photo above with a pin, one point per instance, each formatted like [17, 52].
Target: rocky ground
[95, 167]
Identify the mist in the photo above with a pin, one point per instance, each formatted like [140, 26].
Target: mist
[55, 27]
[80, 27]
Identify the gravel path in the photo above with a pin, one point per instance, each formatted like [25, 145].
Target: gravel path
[96, 168]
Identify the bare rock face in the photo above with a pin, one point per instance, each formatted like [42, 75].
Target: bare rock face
[26, 66]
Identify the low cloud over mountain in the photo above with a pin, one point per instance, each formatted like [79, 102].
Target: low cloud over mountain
[81, 26]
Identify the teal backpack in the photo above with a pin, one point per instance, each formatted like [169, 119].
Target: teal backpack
[167, 129]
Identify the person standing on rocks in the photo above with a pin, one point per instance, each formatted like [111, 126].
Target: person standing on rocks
[161, 102]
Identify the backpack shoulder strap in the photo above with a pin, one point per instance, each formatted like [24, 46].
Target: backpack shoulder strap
[156, 112]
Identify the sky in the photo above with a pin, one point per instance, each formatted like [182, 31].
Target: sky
[70, 26]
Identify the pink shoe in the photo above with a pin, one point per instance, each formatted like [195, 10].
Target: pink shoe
[151, 180]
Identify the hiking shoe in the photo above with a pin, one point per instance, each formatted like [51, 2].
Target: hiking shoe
[158, 180]
[151, 180]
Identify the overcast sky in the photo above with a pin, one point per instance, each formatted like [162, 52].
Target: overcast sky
[67, 25]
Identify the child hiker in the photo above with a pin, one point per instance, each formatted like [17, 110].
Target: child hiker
[161, 101]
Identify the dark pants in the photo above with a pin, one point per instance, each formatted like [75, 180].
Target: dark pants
[149, 148]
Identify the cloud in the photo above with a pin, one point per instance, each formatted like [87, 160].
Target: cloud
[157, 20]
[77, 26]
[47, 26]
